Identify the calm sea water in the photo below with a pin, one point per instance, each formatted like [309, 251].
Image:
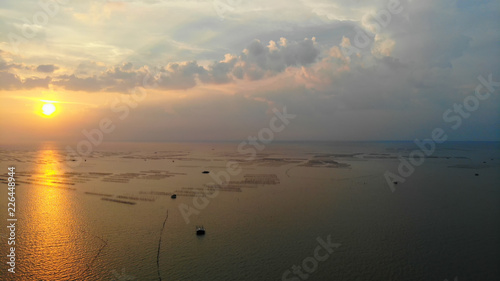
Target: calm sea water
[441, 223]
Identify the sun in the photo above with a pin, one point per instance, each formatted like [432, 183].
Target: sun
[48, 109]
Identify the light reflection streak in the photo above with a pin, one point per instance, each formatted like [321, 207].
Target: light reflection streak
[53, 244]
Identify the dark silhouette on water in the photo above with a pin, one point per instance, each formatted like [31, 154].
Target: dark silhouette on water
[105, 243]
[159, 245]
[200, 230]
[118, 201]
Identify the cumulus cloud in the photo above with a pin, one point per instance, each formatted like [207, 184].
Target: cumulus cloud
[412, 68]
[257, 61]
[4, 65]
[219, 72]
[74, 83]
[10, 81]
[182, 76]
[89, 68]
[47, 68]
[120, 78]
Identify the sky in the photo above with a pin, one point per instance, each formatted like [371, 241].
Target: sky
[216, 70]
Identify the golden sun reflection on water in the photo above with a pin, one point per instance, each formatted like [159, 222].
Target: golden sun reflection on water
[53, 250]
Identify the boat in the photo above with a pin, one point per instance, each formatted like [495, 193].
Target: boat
[200, 230]
[173, 196]
[205, 172]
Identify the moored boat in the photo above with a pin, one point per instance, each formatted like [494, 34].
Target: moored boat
[200, 230]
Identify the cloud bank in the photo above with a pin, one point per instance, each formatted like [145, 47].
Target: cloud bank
[402, 71]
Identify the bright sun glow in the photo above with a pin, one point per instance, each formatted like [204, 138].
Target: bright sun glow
[48, 109]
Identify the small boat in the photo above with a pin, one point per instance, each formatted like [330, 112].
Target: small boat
[205, 172]
[173, 196]
[200, 230]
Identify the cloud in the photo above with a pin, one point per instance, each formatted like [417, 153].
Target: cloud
[182, 76]
[219, 72]
[10, 81]
[47, 68]
[413, 68]
[257, 61]
[4, 65]
[120, 78]
[89, 68]
[35, 82]
[74, 83]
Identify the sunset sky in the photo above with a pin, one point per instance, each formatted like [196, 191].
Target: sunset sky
[222, 66]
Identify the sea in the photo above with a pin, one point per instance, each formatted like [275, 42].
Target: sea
[277, 211]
